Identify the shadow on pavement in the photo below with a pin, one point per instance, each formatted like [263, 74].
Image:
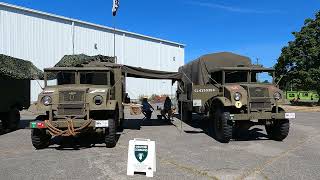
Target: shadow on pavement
[83, 141]
[24, 124]
[202, 123]
[135, 124]
[89, 140]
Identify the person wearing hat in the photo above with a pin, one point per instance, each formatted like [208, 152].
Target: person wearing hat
[146, 108]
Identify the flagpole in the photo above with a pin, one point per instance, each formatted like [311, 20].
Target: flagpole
[114, 38]
[115, 7]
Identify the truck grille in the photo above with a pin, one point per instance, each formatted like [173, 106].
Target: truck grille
[71, 103]
[71, 109]
[71, 96]
[258, 92]
[260, 105]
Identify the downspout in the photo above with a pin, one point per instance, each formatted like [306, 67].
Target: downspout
[72, 37]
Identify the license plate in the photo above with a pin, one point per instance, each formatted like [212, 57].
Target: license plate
[290, 115]
[102, 123]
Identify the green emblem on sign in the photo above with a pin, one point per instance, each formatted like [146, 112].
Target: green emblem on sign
[141, 152]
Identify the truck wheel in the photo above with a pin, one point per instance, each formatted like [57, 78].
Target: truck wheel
[186, 115]
[40, 139]
[222, 128]
[279, 130]
[13, 118]
[1, 127]
[110, 134]
[120, 126]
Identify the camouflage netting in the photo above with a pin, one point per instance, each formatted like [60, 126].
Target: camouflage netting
[13, 68]
[79, 59]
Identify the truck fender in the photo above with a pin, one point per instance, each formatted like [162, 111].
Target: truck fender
[222, 100]
[111, 104]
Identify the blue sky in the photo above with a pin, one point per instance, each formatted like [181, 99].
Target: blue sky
[258, 29]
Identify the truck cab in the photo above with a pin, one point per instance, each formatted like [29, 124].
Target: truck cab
[78, 100]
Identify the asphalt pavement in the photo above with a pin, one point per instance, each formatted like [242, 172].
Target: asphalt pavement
[184, 151]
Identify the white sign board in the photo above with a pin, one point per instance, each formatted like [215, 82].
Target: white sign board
[197, 102]
[141, 157]
[290, 115]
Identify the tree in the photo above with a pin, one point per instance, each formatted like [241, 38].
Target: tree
[299, 62]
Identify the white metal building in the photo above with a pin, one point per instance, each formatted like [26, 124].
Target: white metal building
[45, 38]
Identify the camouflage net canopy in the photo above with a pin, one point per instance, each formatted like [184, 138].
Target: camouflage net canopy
[79, 59]
[14, 68]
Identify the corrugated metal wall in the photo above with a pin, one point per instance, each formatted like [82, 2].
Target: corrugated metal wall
[44, 39]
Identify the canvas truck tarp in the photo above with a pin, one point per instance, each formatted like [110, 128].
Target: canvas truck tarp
[198, 71]
[81, 60]
[14, 68]
[138, 72]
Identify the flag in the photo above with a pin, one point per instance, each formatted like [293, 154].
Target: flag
[115, 7]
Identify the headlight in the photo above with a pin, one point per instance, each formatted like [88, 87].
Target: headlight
[98, 100]
[277, 96]
[237, 96]
[46, 100]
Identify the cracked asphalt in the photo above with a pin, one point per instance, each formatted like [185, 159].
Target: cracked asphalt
[184, 151]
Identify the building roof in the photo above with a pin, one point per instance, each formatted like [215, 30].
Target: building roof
[88, 23]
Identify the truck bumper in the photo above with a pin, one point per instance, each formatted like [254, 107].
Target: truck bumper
[62, 124]
[261, 115]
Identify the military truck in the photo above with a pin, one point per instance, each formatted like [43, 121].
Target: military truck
[15, 76]
[87, 97]
[15, 96]
[224, 87]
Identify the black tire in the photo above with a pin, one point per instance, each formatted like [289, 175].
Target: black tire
[13, 119]
[179, 107]
[1, 127]
[185, 115]
[279, 130]
[120, 126]
[222, 126]
[40, 139]
[110, 134]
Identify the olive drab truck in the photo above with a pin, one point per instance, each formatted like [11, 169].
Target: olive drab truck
[225, 88]
[87, 97]
[15, 96]
[15, 76]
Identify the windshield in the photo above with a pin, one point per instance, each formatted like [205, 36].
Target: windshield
[241, 77]
[262, 77]
[94, 78]
[65, 78]
[82, 77]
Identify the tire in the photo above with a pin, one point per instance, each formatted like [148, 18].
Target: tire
[179, 107]
[120, 126]
[186, 114]
[110, 134]
[13, 119]
[1, 127]
[222, 126]
[40, 139]
[279, 130]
